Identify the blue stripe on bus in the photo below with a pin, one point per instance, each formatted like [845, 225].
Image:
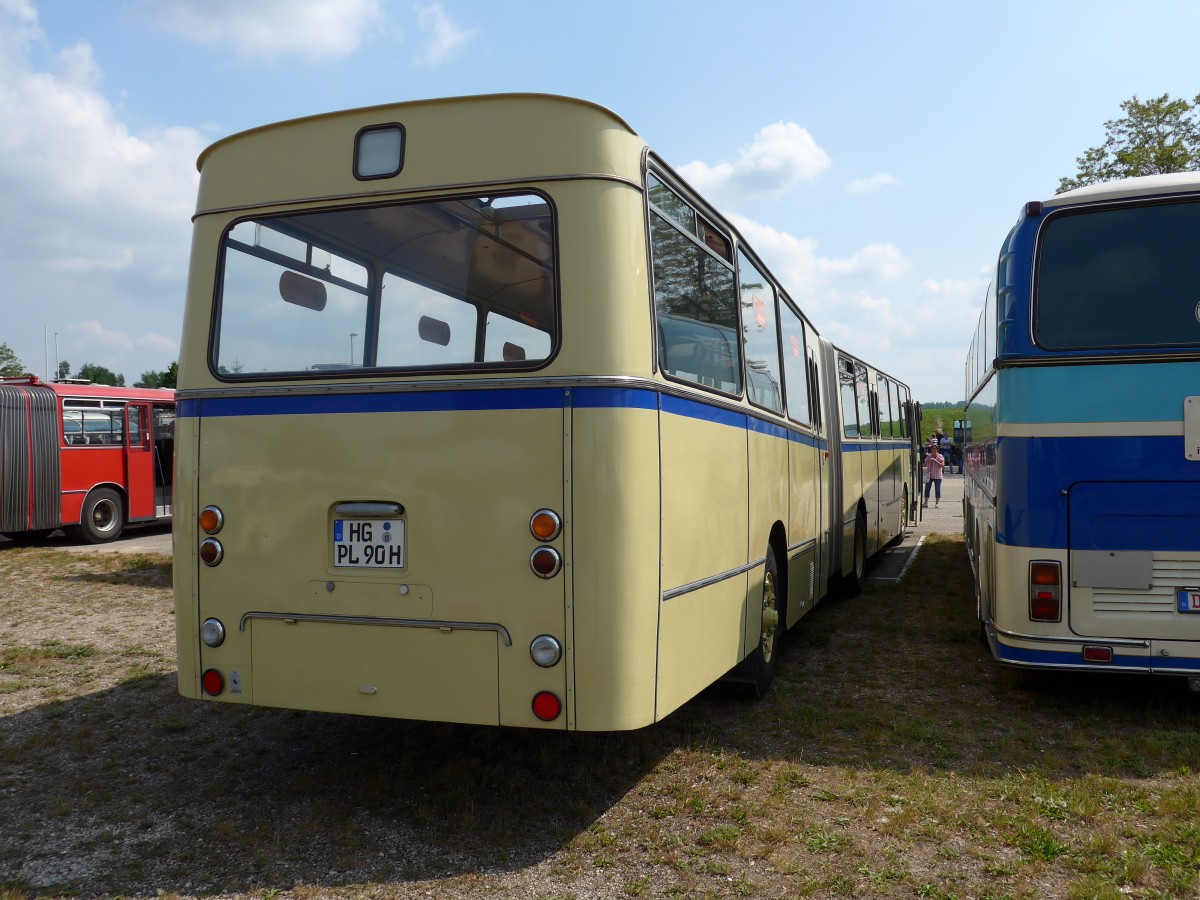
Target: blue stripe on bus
[1035, 473]
[614, 398]
[474, 400]
[768, 428]
[1116, 392]
[691, 409]
[376, 402]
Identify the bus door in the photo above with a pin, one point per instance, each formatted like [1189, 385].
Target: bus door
[139, 461]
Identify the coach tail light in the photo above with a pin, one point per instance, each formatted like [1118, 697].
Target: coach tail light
[545, 562]
[545, 525]
[546, 706]
[213, 682]
[211, 519]
[212, 632]
[211, 552]
[1045, 592]
[545, 650]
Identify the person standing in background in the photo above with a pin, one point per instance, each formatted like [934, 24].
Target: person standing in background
[934, 464]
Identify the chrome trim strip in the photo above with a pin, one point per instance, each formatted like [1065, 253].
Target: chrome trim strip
[1150, 356]
[803, 545]
[373, 197]
[423, 386]
[440, 625]
[712, 579]
[1081, 667]
[1056, 639]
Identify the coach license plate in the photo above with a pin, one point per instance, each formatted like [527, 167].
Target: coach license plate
[1188, 600]
[368, 543]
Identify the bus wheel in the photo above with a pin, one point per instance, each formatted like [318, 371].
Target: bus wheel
[852, 584]
[759, 667]
[102, 518]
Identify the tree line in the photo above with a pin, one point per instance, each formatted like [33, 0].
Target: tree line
[12, 367]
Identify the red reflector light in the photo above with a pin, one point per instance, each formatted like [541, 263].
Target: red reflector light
[211, 552]
[1044, 608]
[546, 706]
[545, 562]
[1097, 654]
[213, 682]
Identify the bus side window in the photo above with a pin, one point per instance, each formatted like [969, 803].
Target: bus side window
[696, 304]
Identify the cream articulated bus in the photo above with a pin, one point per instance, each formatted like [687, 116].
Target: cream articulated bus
[486, 417]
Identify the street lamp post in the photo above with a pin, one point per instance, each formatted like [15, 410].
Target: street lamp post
[353, 335]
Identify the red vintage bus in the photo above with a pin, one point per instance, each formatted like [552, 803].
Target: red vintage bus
[83, 457]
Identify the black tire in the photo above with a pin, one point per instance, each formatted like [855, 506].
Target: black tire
[102, 518]
[852, 584]
[758, 669]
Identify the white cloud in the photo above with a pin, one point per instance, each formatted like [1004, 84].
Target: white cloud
[874, 184]
[780, 157]
[952, 304]
[796, 263]
[878, 262]
[96, 225]
[444, 38]
[267, 30]
[93, 335]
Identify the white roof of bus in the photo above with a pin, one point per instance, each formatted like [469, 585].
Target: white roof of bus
[1142, 186]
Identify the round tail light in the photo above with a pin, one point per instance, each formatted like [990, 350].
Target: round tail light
[211, 552]
[212, 632]
[211, 519]
[545, 650]
[213, 682]
[546, 706]
[545, 562]
[545, 525]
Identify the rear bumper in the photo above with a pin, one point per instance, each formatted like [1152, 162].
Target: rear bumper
[1033, 652]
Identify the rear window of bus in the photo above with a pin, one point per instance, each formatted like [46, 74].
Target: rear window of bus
[1119, 277]
[460, 283]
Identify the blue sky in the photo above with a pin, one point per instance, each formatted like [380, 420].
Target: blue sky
[874, 153]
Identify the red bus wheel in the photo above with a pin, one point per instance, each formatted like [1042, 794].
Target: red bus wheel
[102, 518]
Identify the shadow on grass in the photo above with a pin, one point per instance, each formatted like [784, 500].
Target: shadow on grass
[129, 790]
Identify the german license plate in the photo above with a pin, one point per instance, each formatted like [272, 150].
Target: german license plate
[1188, 600]
[368, 543]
